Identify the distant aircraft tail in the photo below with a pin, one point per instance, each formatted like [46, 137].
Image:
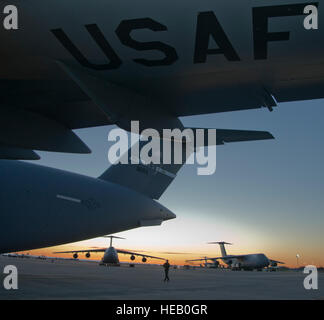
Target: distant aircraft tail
[222, 246]
[111, 238]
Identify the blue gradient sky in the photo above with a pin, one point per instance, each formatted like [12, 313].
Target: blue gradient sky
[265, 196]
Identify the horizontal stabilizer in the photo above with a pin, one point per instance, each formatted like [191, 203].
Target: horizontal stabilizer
[220, 242]
[228, 135]
[113, 237]
[10, 153]
[25, 129]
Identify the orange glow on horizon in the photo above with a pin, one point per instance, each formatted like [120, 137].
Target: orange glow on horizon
[187, 237]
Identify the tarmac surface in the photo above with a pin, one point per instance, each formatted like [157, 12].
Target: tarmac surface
[65, 279]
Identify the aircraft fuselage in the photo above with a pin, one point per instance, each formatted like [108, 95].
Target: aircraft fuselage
[110, 257]
[249, 262]
[42, 207]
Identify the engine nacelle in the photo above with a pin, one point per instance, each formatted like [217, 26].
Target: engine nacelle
[273, 264]
[87, 255]
[75, 256]
[144, 259]
[132, 257]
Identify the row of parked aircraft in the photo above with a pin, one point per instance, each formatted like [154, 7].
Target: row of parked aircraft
[256, 261]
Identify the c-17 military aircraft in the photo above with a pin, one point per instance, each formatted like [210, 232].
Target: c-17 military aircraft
[113, 63]
[257, 261]
[110, 256]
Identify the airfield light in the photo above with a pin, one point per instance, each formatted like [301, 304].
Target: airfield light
[297, 257]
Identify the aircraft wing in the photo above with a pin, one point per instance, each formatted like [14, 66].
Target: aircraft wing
[46, 112]
[49, 126]
[275, 261]
[12, 153]
[239, 257]
[81, 251]
[203, 259]
[138, 254]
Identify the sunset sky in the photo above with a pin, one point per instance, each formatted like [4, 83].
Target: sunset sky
[265, 196]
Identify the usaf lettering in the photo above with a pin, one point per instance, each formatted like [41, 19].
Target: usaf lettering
[208, 26]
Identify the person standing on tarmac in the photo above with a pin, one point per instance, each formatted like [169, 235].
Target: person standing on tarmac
[166, 267]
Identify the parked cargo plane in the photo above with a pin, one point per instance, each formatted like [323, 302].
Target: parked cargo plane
[113, 63]
[241, 262]
[110, 256]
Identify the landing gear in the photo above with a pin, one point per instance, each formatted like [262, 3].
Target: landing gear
[236, 267]
[109, 264]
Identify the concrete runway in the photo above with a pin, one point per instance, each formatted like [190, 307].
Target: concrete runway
[42, 279]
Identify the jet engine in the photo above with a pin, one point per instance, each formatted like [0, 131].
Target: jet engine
[144, 259]
[87, 255]
[132, 257]
[75, 256]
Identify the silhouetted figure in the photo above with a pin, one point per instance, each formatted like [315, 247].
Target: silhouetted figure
[166, 267]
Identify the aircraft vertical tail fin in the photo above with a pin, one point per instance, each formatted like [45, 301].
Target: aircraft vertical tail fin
[149, 179]
[222, 246]
[153, 179]
[111, 238]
